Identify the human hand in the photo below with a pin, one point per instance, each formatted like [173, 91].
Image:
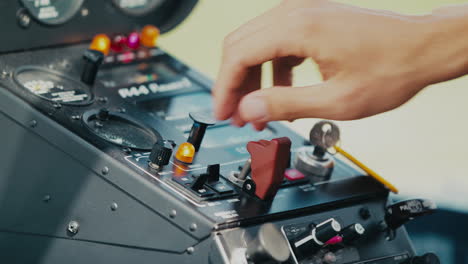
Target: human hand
[371, 61]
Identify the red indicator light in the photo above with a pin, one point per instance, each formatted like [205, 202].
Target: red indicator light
[133, 40]
[119, 43]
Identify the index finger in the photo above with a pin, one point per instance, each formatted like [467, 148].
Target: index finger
[260, 46]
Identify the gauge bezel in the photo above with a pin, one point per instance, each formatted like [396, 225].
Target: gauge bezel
[136, 13]
[92, 114]
[60, 75]
[72, 8]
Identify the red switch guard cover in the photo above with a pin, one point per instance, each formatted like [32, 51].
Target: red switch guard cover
[269, 161]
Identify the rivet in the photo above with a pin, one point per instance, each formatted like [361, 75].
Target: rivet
[190, 250]
[46, 198]
[105, 170]
[173, 213]
[114, 206]
[33, 123]
[193, 227]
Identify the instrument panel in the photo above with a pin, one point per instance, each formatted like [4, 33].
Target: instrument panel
[118, 148]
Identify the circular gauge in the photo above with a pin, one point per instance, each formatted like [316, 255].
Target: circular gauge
[52, 12]
[53, 86]
[121, 130]
[137, 7]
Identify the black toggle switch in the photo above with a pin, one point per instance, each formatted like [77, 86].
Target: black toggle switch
[312, 240]
[92, 61]
[428, 258]
[213, 173]
[198, 186]
[201, 120]
[161, 154]
[352, 232]
[199, 181]
[211, 176]
[402, 212]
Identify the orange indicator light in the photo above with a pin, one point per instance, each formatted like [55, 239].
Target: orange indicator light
[149, 36]
[101, 43]
[185, 152]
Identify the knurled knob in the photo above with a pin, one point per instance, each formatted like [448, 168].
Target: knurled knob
[160, 154]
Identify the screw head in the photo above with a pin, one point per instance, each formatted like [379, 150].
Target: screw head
[57, 105]
[127, 150]
[103, 99]
[364, 213]
[105, 170]
[73, 227]
[24, 20]
[5, 74]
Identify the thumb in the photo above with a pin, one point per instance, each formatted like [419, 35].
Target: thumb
[289, 103]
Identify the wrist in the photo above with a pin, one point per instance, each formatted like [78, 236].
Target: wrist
[445, 36]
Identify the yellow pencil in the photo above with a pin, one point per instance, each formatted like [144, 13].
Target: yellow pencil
[371, 173]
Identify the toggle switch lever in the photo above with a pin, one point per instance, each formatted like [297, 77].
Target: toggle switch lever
[92, 61]
[211, 176]
[269, 160]
[213, 172]
[201, 121]
[246, 170]
[402, 212]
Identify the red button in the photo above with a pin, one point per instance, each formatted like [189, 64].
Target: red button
[293, 175]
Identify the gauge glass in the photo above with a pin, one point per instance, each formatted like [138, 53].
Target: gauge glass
[52, 12]
[137, 7]
[122, 131]
[53, 86]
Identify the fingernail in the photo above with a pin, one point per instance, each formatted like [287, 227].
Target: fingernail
[255, 109]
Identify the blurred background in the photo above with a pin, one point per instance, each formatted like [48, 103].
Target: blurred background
[421, 147]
